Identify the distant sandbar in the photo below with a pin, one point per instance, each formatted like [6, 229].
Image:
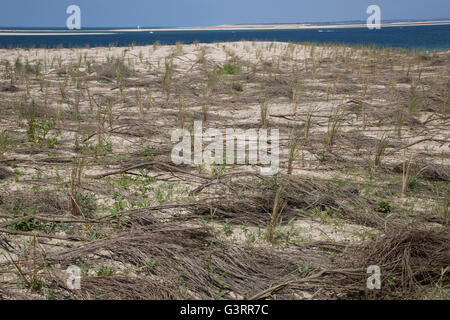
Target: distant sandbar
[225, 27]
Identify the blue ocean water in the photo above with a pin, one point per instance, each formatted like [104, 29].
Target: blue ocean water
[411, 37]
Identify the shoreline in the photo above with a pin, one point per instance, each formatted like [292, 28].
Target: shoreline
[52, 33]
[245, 27]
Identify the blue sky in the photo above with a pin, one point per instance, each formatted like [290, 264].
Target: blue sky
[161, 13]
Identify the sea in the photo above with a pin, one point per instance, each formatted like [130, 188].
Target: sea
[431, 37]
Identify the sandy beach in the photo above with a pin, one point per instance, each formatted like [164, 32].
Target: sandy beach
[88, 177]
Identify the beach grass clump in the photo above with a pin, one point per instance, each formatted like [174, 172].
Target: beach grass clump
[156, 45]
[114, 68]
[75, 185]
[414, 102]
[406, 173]
[333, 130]
[168, 75]
[228, 69]
[264, 112]
[294, 142]
[380, 149]
[3, 142]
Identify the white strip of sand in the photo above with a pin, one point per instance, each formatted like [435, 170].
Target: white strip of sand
[223, 27]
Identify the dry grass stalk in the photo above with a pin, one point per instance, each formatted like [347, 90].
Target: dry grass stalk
[264, 109]
[75, 184]
[100, 130]
[295, 99]
[308, 123]
[141, 112]
[333, 129]
[76, 106]
[205, 109]
[149, 100]
[380, 149]
[91, 104]
[278, 206]
[181, 115]
[294, 142]
[405, 173]
[109, 111]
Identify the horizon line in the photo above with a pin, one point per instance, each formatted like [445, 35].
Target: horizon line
[318, 23]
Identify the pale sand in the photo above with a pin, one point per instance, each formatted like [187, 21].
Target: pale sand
[287, 26]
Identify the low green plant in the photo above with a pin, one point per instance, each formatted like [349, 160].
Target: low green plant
[90, 232]
[305, 269]
[35, 284]
[38, 131]
[384, 206]
[250, 238]
[26, 225]
[87, 203]
[105, 271]
[227, 228]
[228, 69]
[148, 152]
